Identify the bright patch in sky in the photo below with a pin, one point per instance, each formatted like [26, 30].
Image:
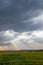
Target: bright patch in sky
[24, 40]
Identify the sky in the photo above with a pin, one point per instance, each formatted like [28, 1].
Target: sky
[21, 24]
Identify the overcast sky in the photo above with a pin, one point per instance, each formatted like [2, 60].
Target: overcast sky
[21, 24]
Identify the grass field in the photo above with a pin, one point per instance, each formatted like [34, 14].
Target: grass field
[21, 58]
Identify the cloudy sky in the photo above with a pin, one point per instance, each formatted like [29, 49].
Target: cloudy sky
[21, 24]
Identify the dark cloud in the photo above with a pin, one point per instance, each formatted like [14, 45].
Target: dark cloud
[6, 44]
[13, 13]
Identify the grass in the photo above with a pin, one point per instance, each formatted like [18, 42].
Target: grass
[21, 58]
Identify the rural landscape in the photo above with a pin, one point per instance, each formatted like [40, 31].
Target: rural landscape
[21, 32]
[21, 57]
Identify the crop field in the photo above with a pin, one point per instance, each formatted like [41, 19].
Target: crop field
[21, 58]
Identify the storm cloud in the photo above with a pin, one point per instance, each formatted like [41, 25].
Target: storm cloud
[14, 12]
[21, 21]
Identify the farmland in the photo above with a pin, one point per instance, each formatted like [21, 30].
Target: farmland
[21, 58]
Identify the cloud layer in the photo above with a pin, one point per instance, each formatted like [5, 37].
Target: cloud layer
[21, 24]
[24, 40]
[13, 13]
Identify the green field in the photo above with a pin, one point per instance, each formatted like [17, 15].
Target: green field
[21, 58]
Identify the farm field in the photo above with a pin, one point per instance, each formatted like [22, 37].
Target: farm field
[21, 58]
